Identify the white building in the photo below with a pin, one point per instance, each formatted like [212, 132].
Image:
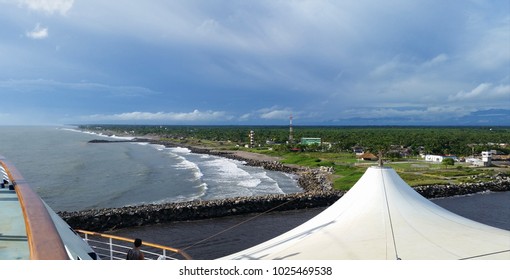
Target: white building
[474, 161]
[439, 158]
[487, 158]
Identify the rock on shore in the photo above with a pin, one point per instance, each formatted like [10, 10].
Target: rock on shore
[497, 183]
[115, 218]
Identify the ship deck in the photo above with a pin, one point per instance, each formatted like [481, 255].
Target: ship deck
[13, 234]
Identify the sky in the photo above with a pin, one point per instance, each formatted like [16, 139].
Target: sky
[359, 62]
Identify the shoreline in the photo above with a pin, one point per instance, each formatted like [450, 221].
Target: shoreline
[315, 182]
[309, 179]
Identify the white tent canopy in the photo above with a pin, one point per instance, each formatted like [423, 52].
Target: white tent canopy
[382, 217]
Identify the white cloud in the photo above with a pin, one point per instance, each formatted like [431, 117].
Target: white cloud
[245, 116]
[490, 49]
[386, 68]
[207, 26]
[476, 92]
[502, 90]
[48, 6]
[38, 32]
[436, 60]
[410, 113]
[404, 66]
[5, 116]
[195, 115]
[483, 91]
[35, 85]
[275, 114]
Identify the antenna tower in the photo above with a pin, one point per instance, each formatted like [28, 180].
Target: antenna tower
[291, 137]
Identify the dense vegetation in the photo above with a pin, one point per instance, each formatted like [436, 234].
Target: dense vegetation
[461, 141]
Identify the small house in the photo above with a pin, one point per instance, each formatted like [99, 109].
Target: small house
[368, 156]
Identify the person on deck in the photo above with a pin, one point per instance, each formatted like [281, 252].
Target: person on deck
[135, 253]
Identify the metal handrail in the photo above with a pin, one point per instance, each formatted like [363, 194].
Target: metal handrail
[112, 247]
[44, 240]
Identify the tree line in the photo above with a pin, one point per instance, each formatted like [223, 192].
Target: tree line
[461, 141]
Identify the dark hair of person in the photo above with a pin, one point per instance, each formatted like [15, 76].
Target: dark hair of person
[138, 242]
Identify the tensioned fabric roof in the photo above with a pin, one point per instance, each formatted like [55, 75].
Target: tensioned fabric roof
[382, 217]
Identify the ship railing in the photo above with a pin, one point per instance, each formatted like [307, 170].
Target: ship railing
[44, 241]
[112, 247]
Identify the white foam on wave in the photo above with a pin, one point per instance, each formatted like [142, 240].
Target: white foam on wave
[121, 137]
[228, 168]
[180, 150]
[185, 164]
[99, 134]
[158, 147]
[231, 178]
[179, 155]
[199, 194]
[81, 131]
[250, 183]
[269, 184]
[69, 129]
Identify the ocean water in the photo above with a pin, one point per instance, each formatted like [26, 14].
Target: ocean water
[71, 174]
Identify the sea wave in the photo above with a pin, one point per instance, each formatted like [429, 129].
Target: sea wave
[227, 167]
[230, 177]
[99, 134]
[250, 183]
[180, 150]
[199, 194]
[185, 164]
[268, 185]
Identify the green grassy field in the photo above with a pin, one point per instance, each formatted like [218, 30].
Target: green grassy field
[348, 169]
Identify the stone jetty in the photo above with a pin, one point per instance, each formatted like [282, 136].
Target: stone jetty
[317, 192]
[115, 218]
[496, 183]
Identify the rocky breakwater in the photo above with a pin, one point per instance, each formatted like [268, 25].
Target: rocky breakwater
[132, 216]
[496, 183]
